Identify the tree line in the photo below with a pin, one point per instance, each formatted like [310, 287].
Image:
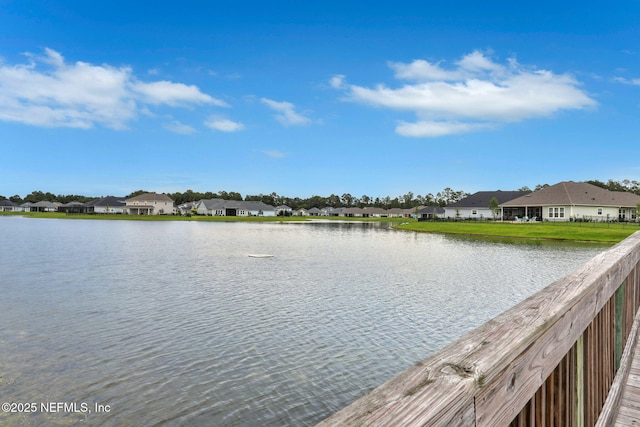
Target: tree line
[346, 200]
[405, 201]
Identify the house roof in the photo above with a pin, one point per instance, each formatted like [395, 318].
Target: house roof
[46, 204]
[481, 199]
[314, 210]
[150, 197]
[72, 204]
[353, 211]
[431, 210]
[374, 210]
[7, 202]
[575, 193]
[110, 201]
[395, 210]
[213, 204]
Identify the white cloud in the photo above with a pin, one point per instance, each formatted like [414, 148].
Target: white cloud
[223, 125]
[337, 81]
[177, 127]
[287, 115]
[431, 129]
[173, 94]
[635, 82]
[48, 92]
[274, 154]
[476, 94]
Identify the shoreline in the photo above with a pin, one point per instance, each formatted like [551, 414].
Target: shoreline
[588, 232]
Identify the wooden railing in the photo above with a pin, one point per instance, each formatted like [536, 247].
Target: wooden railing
[549, 361]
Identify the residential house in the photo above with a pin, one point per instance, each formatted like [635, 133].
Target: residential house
[329, 211]
[185, 208]
[301, 212]
[476, 206]
[574, 201]
[314, 212]
[43, 206]
[7, 205]
[25, 207]
[221, 207]
[149, 204]
[372, 212]
[430, 212]
[107, 205]
[395, 213]
[283, 210]
[353, 212]
[74, 207]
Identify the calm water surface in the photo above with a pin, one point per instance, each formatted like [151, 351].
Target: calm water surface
[171, 323]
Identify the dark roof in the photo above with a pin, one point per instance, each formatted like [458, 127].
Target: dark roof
[481, 199]
[7, 202]
[576, 193]
[110, 201]
[431, 210]
[72, 204]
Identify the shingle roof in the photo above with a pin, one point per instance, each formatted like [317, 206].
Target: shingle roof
[7, 202]
[110, 201]
[213, 204]
[431, 210]
[576, 193]
[481, 199]
[151, 197]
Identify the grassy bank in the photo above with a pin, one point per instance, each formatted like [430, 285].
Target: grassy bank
[574, 231]
[578, 231]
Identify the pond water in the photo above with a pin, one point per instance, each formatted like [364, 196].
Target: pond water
[172, 323]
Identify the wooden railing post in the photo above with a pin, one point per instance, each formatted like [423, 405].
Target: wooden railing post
[579, 384]
[619, 320]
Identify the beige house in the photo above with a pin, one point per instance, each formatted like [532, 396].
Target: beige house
[573, 201]
[149, 204]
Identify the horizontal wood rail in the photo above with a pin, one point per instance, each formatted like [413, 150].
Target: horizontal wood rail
[549, 361]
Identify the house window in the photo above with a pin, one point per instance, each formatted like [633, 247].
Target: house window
[474, 212]
[599, 211]
[556, 212]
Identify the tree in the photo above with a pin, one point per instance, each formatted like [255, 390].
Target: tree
[347, 199]
[136, 193]
[493, 205]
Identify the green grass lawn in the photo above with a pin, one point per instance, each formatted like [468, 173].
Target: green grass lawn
[578, 231]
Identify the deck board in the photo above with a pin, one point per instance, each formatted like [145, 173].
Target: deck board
[629, 410]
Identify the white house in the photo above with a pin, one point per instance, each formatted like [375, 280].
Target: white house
[107, 205]
[476, 206]
[149, 204]
[221, 207]
[574, 201]
[7, 205]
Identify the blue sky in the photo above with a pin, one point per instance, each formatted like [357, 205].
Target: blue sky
[313, 98]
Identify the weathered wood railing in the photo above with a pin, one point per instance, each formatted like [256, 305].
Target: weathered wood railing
[549, 361]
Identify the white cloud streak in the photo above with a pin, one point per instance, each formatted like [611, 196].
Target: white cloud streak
[287, 115]
[476, 94]
[177, 127]
[223, 125]
[48, 92]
